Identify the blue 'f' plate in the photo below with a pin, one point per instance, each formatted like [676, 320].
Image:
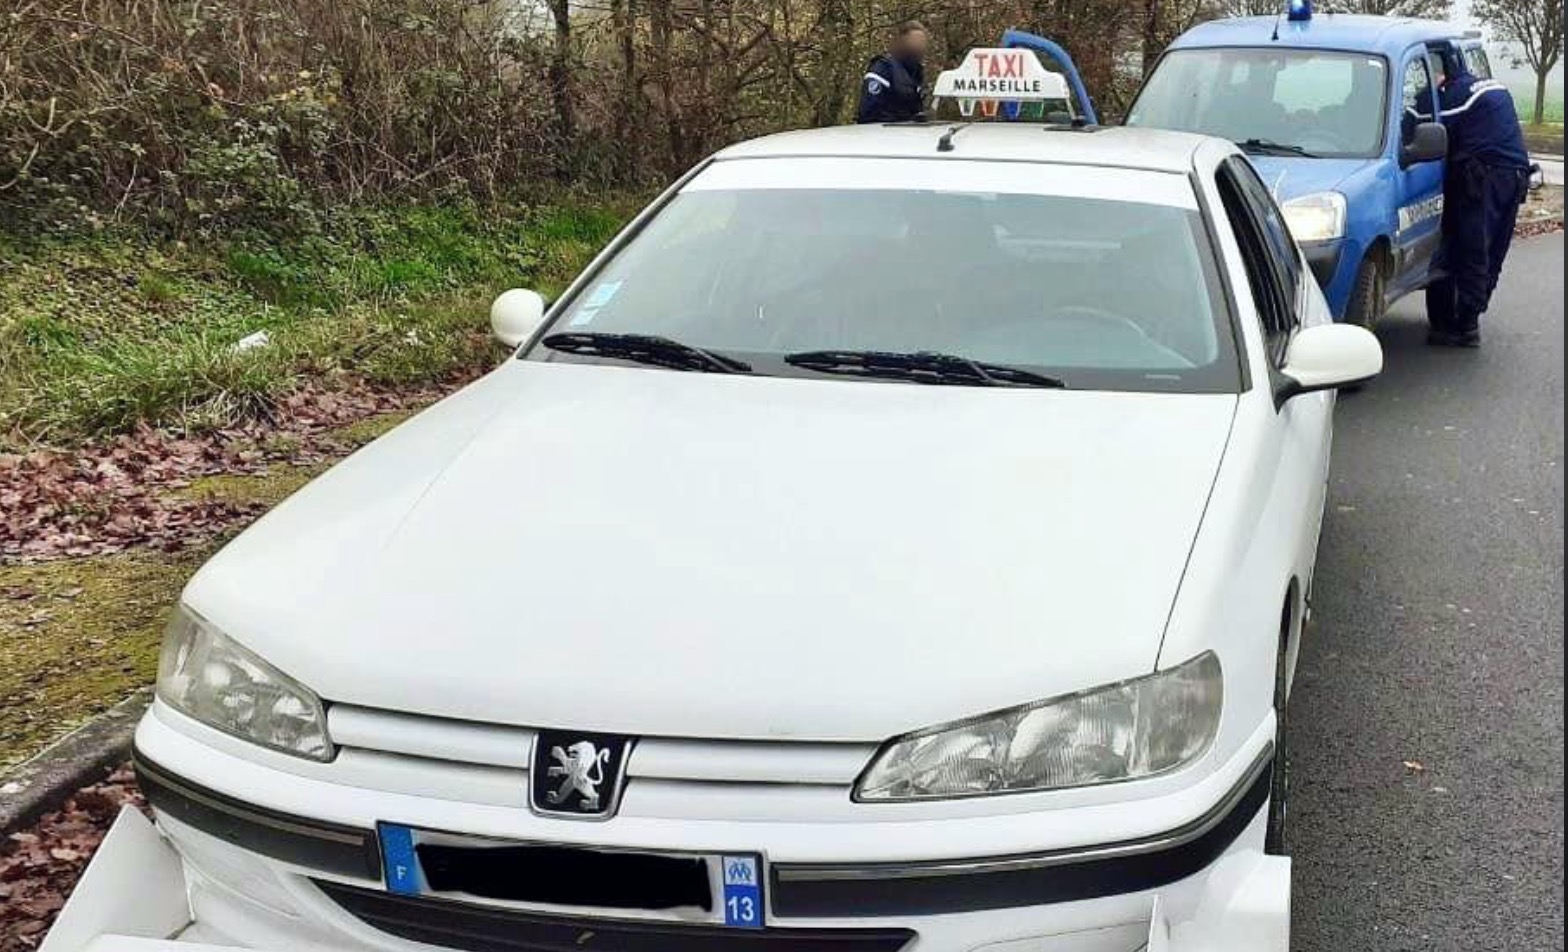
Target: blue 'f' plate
[743, 892]
[400, 861]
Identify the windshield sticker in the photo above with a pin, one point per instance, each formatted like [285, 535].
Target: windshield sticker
[602, 294]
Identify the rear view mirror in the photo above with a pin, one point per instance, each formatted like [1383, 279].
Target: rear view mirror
[1428, 143]
[515, 315]
[1327, 357]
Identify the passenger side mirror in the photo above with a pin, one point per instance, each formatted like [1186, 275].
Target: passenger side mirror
[1327, 357]
[1428, 143]
[515, 315]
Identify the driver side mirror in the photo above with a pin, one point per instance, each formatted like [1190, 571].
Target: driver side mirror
[515, 315]
[1327, 357]
[1428, 143]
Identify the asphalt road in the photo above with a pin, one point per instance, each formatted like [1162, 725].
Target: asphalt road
[1437, 639]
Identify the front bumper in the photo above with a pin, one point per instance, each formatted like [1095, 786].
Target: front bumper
[1323, 258]
[232, 872]
[1335, 264]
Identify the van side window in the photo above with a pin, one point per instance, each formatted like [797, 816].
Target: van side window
[1273, 302]
[1420, 99]
[1476, 59]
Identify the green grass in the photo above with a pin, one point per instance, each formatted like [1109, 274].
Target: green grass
[1524, 101]
[101, 333]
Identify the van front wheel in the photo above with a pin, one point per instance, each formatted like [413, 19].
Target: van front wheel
[1368, 294]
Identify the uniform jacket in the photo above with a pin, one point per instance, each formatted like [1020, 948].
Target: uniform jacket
[1482, 124]
[892, 91]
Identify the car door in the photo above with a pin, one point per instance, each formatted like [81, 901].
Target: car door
[1419, 222]
[1295, 453]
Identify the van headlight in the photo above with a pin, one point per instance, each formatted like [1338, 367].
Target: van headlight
[1316, 217]
[1121, 731]
[204, 674]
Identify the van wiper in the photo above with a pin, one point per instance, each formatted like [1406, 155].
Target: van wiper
[921, 367]
[647, 349]
[1270, 147]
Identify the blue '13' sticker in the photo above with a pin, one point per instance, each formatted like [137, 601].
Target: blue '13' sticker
[742, 892]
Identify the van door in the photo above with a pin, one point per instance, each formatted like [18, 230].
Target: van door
[1419, 224]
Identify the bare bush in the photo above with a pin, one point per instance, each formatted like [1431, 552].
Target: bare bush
[213, 114]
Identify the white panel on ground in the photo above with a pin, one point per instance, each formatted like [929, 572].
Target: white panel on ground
[134, 886]
[1245, 907]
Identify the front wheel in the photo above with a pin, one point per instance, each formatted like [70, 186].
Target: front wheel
[1368, 296]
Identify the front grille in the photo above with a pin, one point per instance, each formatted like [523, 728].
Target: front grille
[455, 925]
[671, 778]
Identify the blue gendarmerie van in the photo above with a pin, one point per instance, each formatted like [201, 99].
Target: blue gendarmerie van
[1338, 113]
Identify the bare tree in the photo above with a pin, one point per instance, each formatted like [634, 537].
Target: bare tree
[561, 74]
[1250, 8]
[1537, 26]
[1428, 9]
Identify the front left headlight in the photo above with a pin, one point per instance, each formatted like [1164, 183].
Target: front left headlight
[1123, 731]
[206, 675]
[1316, 217]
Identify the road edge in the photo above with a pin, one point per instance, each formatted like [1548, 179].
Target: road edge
[45, 781]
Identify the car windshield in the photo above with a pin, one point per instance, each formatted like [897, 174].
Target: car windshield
[1327, 104]
[1041, 268]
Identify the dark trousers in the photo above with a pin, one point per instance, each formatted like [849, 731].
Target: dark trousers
[1479, 211]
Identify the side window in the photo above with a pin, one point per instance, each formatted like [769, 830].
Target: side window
[1286, 258]
[1477, 60]
[1419, 100]
[1269, 296]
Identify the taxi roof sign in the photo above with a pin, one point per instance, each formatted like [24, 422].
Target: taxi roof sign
[1000, 75]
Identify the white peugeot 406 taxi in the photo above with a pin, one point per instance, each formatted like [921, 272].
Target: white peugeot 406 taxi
[898, 539]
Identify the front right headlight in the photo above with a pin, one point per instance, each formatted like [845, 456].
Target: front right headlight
[204, 674]
[1123, 731]
[1316, 217]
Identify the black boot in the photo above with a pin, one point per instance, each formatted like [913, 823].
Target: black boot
[1445, 338]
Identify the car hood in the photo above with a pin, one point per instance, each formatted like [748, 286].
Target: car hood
[1289, 177]
[649, 552]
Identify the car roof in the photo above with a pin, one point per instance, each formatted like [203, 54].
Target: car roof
[1355, 33]
[1153, 150]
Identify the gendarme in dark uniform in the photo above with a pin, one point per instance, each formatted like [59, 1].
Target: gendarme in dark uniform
[1487, 178]
[894, 87]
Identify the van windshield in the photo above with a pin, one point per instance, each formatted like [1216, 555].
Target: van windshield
[1330, 105]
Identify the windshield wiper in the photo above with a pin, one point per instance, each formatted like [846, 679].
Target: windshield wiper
[647, 349]
[922, 367]
[1270, 147]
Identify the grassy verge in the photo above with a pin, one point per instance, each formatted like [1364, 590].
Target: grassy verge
[1544, 139]
[75, 638]
[78, 635]
[1543, 205]
[101, 333]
